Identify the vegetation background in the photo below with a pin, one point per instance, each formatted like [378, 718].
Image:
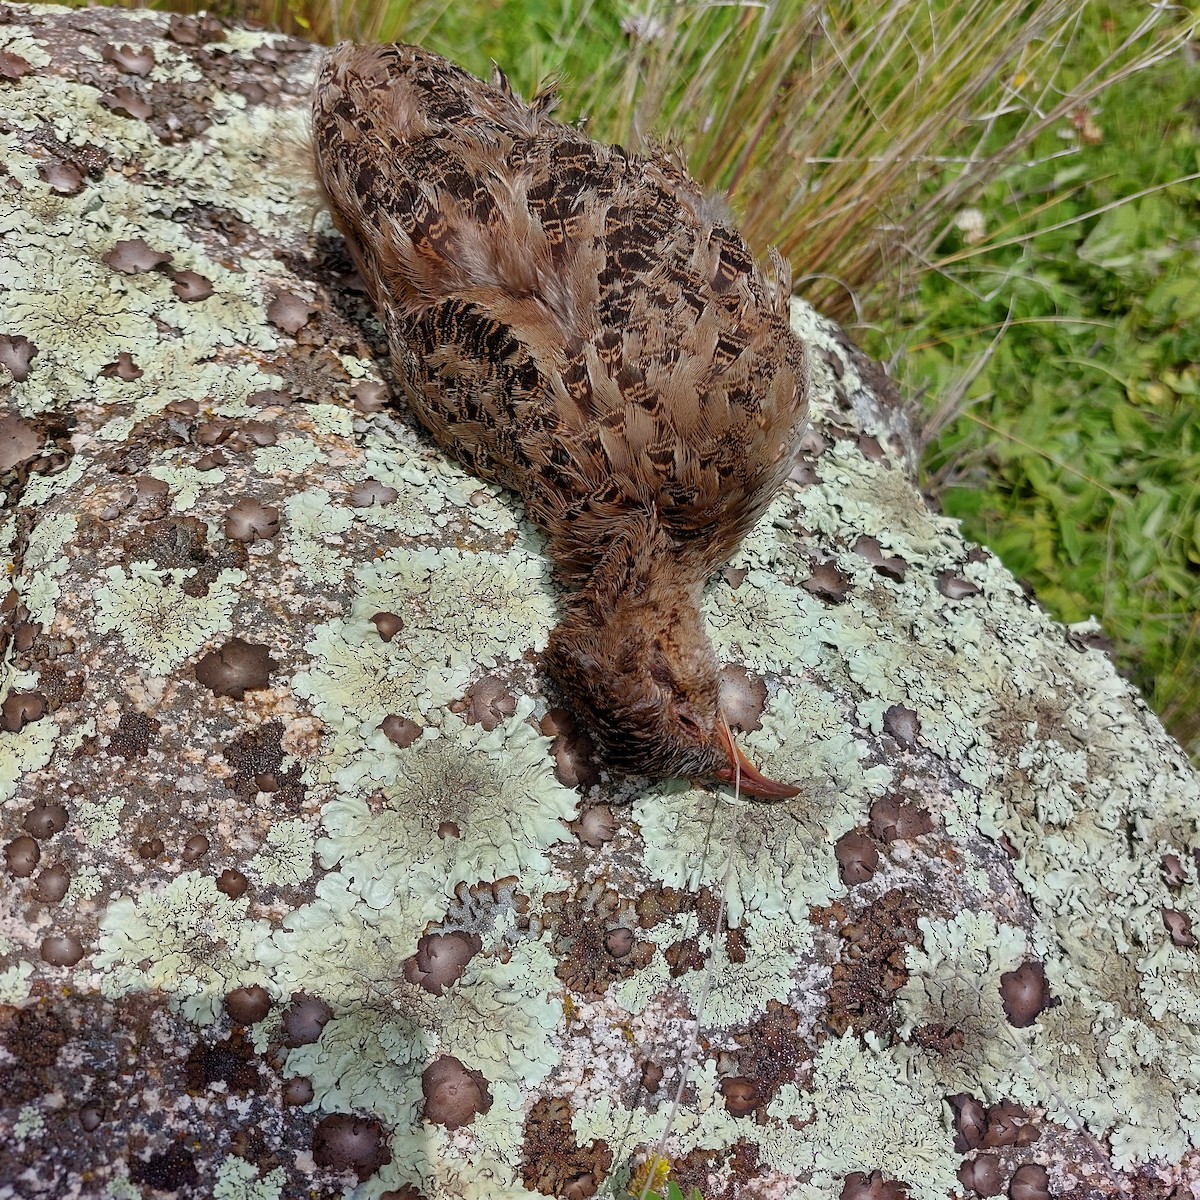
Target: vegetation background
[999, 198]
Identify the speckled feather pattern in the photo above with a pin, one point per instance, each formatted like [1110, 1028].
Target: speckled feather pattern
[582, 325]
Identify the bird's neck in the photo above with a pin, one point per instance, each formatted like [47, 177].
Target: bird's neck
[639, 571]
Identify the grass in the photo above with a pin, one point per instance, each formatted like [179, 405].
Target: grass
[982, 190]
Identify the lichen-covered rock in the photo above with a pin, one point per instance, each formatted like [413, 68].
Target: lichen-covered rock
[311, 890]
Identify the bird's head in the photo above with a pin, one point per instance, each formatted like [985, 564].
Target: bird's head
[640, 672]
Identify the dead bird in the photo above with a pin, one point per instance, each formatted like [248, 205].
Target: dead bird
[582, 325]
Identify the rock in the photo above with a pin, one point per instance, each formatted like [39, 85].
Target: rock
[302, 851]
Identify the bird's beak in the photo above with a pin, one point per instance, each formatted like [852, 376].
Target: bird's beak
[742, 771]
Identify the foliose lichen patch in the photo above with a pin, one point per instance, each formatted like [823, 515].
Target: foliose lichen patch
[297, 899]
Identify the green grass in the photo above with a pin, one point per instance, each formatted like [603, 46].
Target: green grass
[1056, 358]
[1063, 382]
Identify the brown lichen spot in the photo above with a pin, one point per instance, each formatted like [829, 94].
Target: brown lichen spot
[620, 942]
[454, 1094]
[33, 1035]
[740, 1095]
[894, 820]
[231, 1061]
[370, 493]
[743, 698]
[233, 883]
[871, 967]
[127, 59]
[13, 66]
[289, 312]
[348, 1143]
[771, 1049]
[236, 668]
[133, 256]
[954, 587]
[52, 884]
[16, 354]
[91, 1116]
[20, 709]
[170, 1170]
[857, 857]
[401, 731]
[258, 753]
[449, 829]
[211, 462]
[195, 31]
[297, 1091]
[19, 442]
[652, 1076]
[303, 1020]
[369, 396]
[891, 565]
[902, 724]
[407, 1192]
[970, 1122]
[151, 848]
[195, 848]
[22, 856]
[257, 433]
[248, 1005]
[554, 1163]
[190, 286]
[983, 1175]
[62, 178]
[572, 749]
[440, 959]
[1008, 1124]
[61, 950]
[183, 542]
[581, 922]
[596, 824]
[1025, 994]
[387, 625]
[1179, 926]
[1030, 1182]
[249, 521]
[827, 582]
[1173, 873]
[487, 702]
[858, 1185]
[124, 369]
[133, 734]
[870, 448]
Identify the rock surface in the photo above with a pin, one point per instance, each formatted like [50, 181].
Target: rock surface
[310, 890]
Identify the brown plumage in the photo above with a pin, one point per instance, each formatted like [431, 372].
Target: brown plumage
[582, 325]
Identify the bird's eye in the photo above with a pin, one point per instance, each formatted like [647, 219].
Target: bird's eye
[690, 725]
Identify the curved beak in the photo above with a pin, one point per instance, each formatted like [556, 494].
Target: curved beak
[741, 769]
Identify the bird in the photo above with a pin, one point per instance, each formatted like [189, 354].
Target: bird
[583, 325]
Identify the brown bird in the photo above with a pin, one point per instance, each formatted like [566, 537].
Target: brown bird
[582, 325]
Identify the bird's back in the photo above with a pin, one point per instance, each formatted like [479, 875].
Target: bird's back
[576, 322]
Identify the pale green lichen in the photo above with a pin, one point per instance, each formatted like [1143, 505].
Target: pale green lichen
[498, 605]
[313, 527]
[861, 1114]
[186, 484]
[769, 859]
[765, 624]
[159, 624]
[725, 993]
[43, 562]
[187, 939]
[295, 456]
[285, 858]
[14, 980]
[21, 753]
[29, 1122]
[97, 821]
[497, 789]
[954, 981]
[39, 490]
[238, 1179]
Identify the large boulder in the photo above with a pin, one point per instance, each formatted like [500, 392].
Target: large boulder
[311, 889]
